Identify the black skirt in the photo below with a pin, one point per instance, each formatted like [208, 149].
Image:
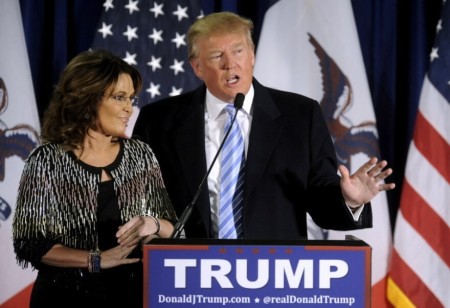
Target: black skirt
[62, 287]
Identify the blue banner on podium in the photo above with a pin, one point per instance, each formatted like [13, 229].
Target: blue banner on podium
[236, 273]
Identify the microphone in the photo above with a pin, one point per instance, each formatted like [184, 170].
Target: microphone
[179, 226]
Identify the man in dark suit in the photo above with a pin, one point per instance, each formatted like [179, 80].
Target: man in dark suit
[290, 163]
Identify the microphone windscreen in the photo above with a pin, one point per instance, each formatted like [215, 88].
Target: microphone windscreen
[239, 101]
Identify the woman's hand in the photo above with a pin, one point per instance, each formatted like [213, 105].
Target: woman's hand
[117, 256]
[136, 229]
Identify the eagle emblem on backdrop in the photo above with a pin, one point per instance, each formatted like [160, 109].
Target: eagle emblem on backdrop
[18, 140]
[349, 138]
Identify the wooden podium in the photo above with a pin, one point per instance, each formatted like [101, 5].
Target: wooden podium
[256, 273]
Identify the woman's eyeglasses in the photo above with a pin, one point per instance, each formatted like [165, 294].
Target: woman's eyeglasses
[121, 100]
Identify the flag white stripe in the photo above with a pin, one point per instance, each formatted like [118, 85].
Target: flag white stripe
[428, 183]
[435, 108]
[416, 252]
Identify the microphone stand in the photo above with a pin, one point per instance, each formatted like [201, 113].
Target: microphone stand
[179, 226]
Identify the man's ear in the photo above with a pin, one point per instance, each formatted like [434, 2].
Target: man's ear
[197, 68]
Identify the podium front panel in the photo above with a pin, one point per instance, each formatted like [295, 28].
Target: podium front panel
[239, 273]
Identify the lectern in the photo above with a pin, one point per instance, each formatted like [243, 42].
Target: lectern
[256, 273]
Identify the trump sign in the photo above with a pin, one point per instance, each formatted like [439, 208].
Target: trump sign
[212, 273]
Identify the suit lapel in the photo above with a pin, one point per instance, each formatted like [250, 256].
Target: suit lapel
[266, 128]
[189, 140]
[190, 146]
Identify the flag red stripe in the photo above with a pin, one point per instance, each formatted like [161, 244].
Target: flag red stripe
[426, 222]
[411, 284]
[433, 146]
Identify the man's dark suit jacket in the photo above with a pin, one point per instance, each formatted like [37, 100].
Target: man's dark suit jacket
[291, 165]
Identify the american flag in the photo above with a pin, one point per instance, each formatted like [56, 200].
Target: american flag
[420, 275]
[151, 35]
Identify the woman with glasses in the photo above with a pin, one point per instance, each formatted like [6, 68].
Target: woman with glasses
[89, 197]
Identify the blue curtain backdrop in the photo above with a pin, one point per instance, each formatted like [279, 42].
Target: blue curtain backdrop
[396, 39]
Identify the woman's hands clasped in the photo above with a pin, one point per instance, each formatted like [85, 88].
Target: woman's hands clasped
[129, 237]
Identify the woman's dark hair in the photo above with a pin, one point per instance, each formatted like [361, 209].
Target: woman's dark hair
[74, 103]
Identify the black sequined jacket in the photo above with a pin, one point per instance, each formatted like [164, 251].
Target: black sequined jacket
[57, 198]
